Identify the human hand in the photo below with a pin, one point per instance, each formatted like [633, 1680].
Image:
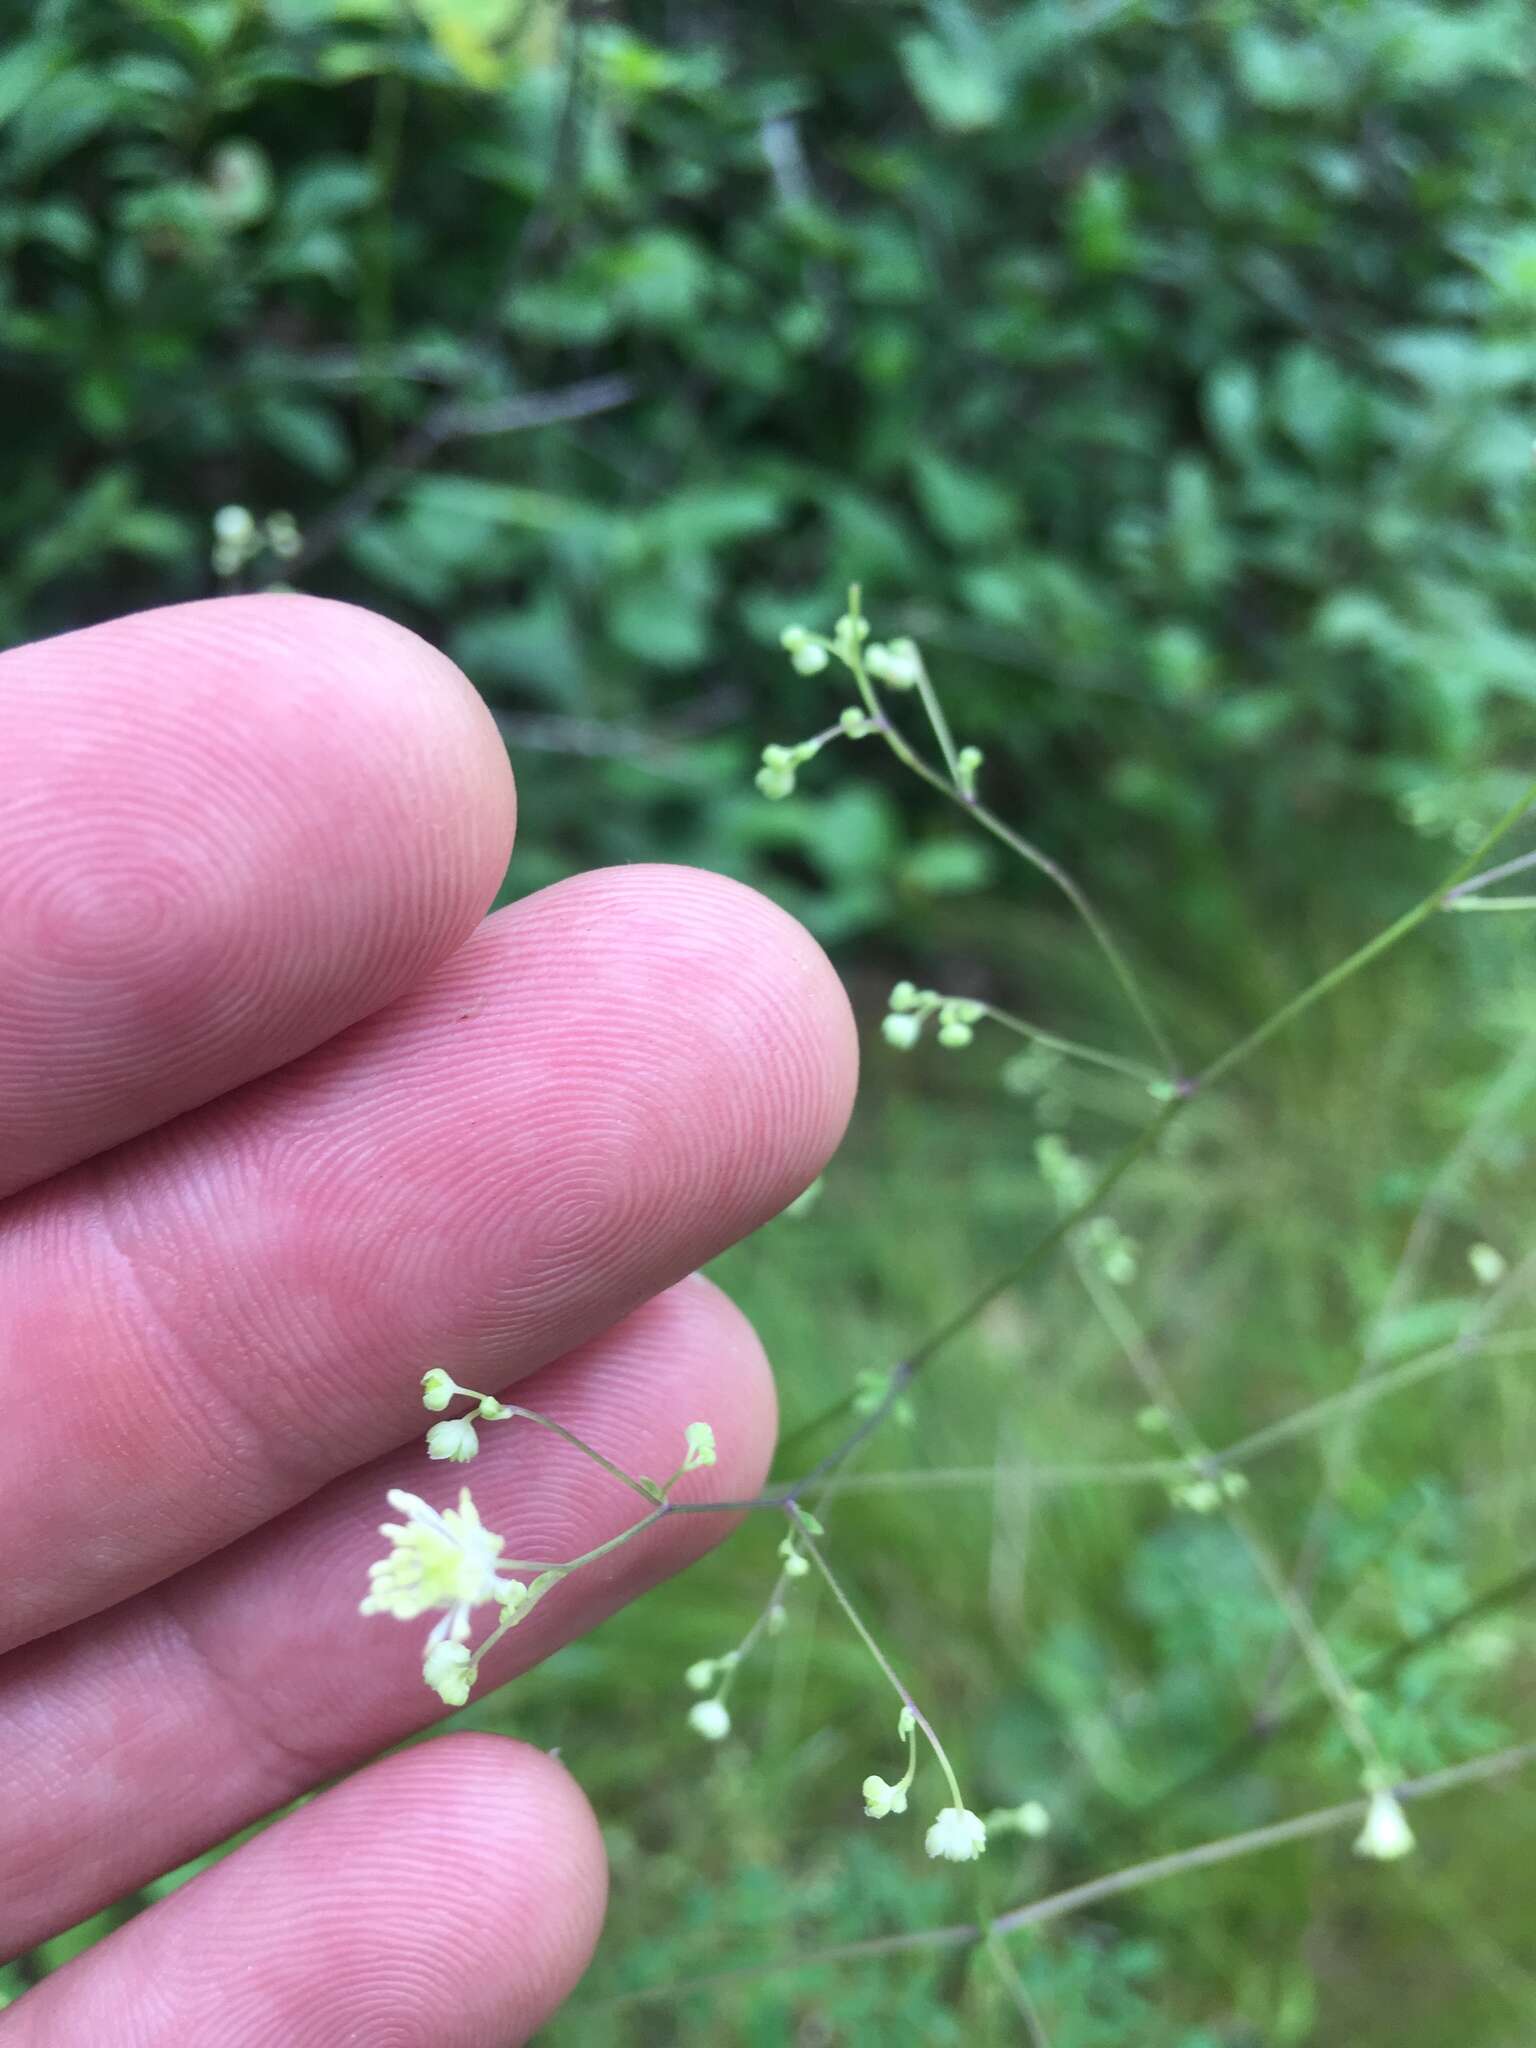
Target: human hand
[283, 1123]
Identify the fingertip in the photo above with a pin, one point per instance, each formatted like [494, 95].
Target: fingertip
[751, 989]
[527, 1828]
[232, 828]
[418, 701]
[450, 1896]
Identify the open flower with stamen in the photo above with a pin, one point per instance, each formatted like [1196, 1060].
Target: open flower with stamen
[437, 1561]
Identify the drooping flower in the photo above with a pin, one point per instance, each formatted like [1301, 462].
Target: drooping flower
[1386, 1835]
[455, 1440]
[445, 1667]
[881, 1798]
[958, 1835]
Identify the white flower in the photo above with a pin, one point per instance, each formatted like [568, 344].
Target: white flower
[437, 1389]
[701, 1676]
[454, 1440]
[445, 1667]
[795, 1562]
[881, 1799]
[1386, 1835]
[445, 1561]
[901, 1031]
[701, 1446]
[710, 1719]
[958, 1835]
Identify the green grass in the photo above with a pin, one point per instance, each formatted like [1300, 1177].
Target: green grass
[1086, 1642]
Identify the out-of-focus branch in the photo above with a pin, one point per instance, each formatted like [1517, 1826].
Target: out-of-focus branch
[454, 419]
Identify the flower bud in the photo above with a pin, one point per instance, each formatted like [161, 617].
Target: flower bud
[710, 1719]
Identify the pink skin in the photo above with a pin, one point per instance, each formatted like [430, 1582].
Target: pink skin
[247, 827]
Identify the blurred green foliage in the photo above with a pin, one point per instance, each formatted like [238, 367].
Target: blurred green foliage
[1163, 365]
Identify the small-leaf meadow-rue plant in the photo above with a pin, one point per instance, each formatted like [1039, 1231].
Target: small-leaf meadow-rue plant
[447, 1564]
[1199, 1480]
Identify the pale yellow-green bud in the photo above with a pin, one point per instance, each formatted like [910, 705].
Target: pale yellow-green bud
[710, 1719]
[897, 664]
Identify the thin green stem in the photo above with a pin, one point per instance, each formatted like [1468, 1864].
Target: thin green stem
[1134, 1877]
[1410, 920]
[984, 1296]
[941, 732]
[1008, 1972]
[1138, 1875]
[1026, 849]
[579, 1443]
[1502, 872]
[1131, 1339]
[1070, 1048]
[813, 1552]
[750, 1640]
[1219, 1068]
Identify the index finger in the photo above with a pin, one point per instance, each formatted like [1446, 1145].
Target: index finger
[227, 831]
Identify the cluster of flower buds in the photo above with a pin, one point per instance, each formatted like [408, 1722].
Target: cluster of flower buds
[776, 776]
[896, 663]
[1207, 1491]
[1065, 1174]
[239, 537]
[871, 1393]
[711, 1717]
[1116, 1254]
[911, 1007]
